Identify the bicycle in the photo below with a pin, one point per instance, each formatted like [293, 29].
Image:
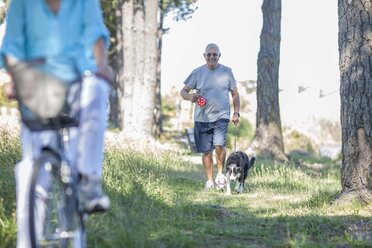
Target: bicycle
[55, 219]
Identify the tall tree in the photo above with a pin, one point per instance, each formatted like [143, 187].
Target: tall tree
[139, 77]
[134, 27]
[182, 9]
[355, 51]
[268, 138]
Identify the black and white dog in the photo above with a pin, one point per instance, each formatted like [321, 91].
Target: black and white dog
[237, 167]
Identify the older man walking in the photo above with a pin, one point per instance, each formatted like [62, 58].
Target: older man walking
[212, 83]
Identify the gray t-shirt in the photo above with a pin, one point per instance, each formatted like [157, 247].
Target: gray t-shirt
[214, 85]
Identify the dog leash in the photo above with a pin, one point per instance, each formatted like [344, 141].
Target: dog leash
[235, 138]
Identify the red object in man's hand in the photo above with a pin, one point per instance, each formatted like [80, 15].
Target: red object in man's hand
[201, 101]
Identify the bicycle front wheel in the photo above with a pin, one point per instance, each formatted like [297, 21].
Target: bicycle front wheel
[53, 212]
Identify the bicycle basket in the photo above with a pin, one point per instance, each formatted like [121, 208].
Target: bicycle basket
[45, 102]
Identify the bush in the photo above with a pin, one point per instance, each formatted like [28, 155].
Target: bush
[4, 101]
[9, 155]
[244, 134]
[299, 145]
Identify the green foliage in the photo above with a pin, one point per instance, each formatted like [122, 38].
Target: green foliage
[298, 145]
[182, 9]
[9, 155]
[3, 10]
[323, 198]
[109, 8]
[4, 101]
[169, 107]
[244, 134]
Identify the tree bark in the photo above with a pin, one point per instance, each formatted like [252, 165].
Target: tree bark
[158, 113]
[355, 51]
[126, 84]
[117, 61]
[268, 138]
[133, 128]
[151, 66]
[140, 64]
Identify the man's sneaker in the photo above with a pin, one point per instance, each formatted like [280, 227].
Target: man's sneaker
[220, 181]
[209, 185]
[91, 196]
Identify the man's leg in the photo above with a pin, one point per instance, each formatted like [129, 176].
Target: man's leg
[219, 142]
[87, 144]
[204, 144]
[220, 157]
[93, 116]
[208, 165]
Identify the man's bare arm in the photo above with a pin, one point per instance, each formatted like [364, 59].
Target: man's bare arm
[185, 94]
[236, 105]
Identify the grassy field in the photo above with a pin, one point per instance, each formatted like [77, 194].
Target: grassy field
[158, 201]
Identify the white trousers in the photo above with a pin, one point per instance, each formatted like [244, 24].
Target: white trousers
[86, 148]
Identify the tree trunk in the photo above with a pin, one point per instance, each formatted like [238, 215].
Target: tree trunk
[151, 66]
[355, 49]
[117, 61]
[268, 138]
[140, 64]
[158, 113]
[133, 127]
[126, 84]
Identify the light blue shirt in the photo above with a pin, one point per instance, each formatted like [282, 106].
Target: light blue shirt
[214, 85]
[64, 39]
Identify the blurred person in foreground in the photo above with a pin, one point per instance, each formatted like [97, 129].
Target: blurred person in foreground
[70, 36]
[212, 83]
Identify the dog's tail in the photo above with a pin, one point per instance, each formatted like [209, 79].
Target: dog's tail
[252, 155]
[251, 161]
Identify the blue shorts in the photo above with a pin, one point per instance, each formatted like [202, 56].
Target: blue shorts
[210, 134]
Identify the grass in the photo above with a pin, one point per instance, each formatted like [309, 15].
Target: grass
[158, 201]
[9, 155]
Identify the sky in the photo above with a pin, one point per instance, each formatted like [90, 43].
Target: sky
[309, 51]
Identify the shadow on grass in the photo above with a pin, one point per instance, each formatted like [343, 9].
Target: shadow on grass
[140, 221]
[184, 219]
